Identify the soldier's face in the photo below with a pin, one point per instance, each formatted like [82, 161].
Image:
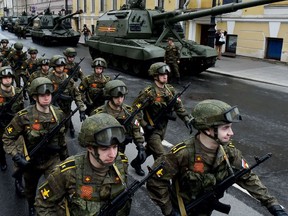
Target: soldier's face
[225, 132]
[108, 154]
[45, 68]
[59, 69]
[4, 44]
[33, 55]
[98, 70]
[44, 99]
[163, 78]
[71, 58]
[7, 81]
[118, 101]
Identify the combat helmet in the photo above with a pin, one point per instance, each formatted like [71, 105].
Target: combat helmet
[41, 85]
[4, 41]
[70, 52]
[43, 61]
[101, 130]
[18, 46]
[115, 88]
[57, 60]
[210, 113]
[32, 50]
[159, 68]
[6, 72]
[99, 62]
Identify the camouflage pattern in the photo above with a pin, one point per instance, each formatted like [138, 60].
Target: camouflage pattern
[196, 169]
[33, 125]
[132, 131]
[153, 70]
[39, 73]
[91, 86]
[5, 50]
[171, 57]
[29, 66]
[16, 59]
[68, 69]
[158, 99]
[74, 178]
[96, 62]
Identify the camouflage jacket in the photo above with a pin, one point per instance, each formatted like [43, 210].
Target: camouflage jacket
[133, 130]
[85, 189]
[68, 70]
[191, 164]
[38, 73]
[33, 125]
[157, 100]
[16, 59]
[91, 86]
[172, 54]
[70, 93]
[5, 97]
[5, 51]
[29, 66]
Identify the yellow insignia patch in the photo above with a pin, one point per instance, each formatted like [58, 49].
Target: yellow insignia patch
[159, 173]
[9, 129]
[70, 164]
[45, 191]
[178, 147]
[123, 157]
[22, 112]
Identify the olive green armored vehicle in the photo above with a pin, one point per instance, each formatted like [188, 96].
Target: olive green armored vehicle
[53, 29]
[133, 38]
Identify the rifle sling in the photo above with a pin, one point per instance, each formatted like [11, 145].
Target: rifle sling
[149, 118]
[180, 200]
[118, 173]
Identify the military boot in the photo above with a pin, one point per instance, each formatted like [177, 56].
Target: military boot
[19, 187]
[137, 168]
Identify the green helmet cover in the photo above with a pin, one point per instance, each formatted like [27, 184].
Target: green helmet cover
[41, 85]
[115, 88]
[57, 60]
[159, 68]
[18, 46]
[71, 52]
[32, 50]
[6, 72]
[99, 62]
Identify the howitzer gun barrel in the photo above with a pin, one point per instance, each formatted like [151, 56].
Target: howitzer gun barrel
[227, 8]
[70, 15]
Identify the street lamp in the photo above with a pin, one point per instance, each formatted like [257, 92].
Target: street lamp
[211, 30]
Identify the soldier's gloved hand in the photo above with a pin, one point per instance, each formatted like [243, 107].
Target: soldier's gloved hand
[277, 210]
[82, 115]
[188, 123]
[20, 160]
[141, 153]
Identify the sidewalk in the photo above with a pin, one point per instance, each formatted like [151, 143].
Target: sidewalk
[266, 71]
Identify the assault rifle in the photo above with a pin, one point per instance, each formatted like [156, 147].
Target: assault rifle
[169, 108]
[46, 139]
[134, 113]
[65, 83]
[7, 107]
[213, 196]
[111, 208]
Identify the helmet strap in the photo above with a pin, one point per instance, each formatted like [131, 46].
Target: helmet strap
[96, 156]
[215, 137]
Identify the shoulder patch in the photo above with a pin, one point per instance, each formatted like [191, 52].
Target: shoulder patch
[123, 157]
[69, 164]
[45, 191]
[22, 112]
[231, 145]
[98, 110]
[178, 147]
[148, 89]
[129, 108]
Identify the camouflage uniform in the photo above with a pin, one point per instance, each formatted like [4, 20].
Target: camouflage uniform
[5, 50]
[86, 181]
[132, 131]
[16, 58]
[158, 99]
[91, 86]
[67, 181]
[172, 58]
[40, 72]
[71, 52]
[33, 124]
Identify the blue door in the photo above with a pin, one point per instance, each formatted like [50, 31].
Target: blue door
[274, 48]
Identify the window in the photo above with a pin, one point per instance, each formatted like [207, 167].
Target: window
[93, 6]
[78, 4]
[84, 6]
[161, 3]
[114, 5]
[102, 6]
[181, 4]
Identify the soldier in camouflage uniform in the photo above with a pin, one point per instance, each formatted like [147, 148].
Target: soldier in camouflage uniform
[159, 94]
[3, 62]
[7, 92]
[115, 91]
[70, 54]
[16, 58]
[33, 123]
[92, 179]
[4, 49]
[70, 93]
[204, 160]
[29, 66]
[172, 58]
[44, 64]
[91, 87]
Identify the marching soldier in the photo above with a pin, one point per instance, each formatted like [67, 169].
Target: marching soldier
[7, 92]
[115, 91]
[200, 162]
[70, 92]
[44, 64]
[70, 54]
[16, 58]
[91, 87]
[92, 179]
[5, 50]
[33, 123]
[172, 58]
[159, 94]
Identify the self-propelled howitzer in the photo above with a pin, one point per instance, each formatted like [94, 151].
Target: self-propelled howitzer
[54, 28]
[133, 38]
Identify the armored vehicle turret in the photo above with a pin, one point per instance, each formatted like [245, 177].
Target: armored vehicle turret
[133, 38]
[55, 29]
[24, 25]
[11, 22]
